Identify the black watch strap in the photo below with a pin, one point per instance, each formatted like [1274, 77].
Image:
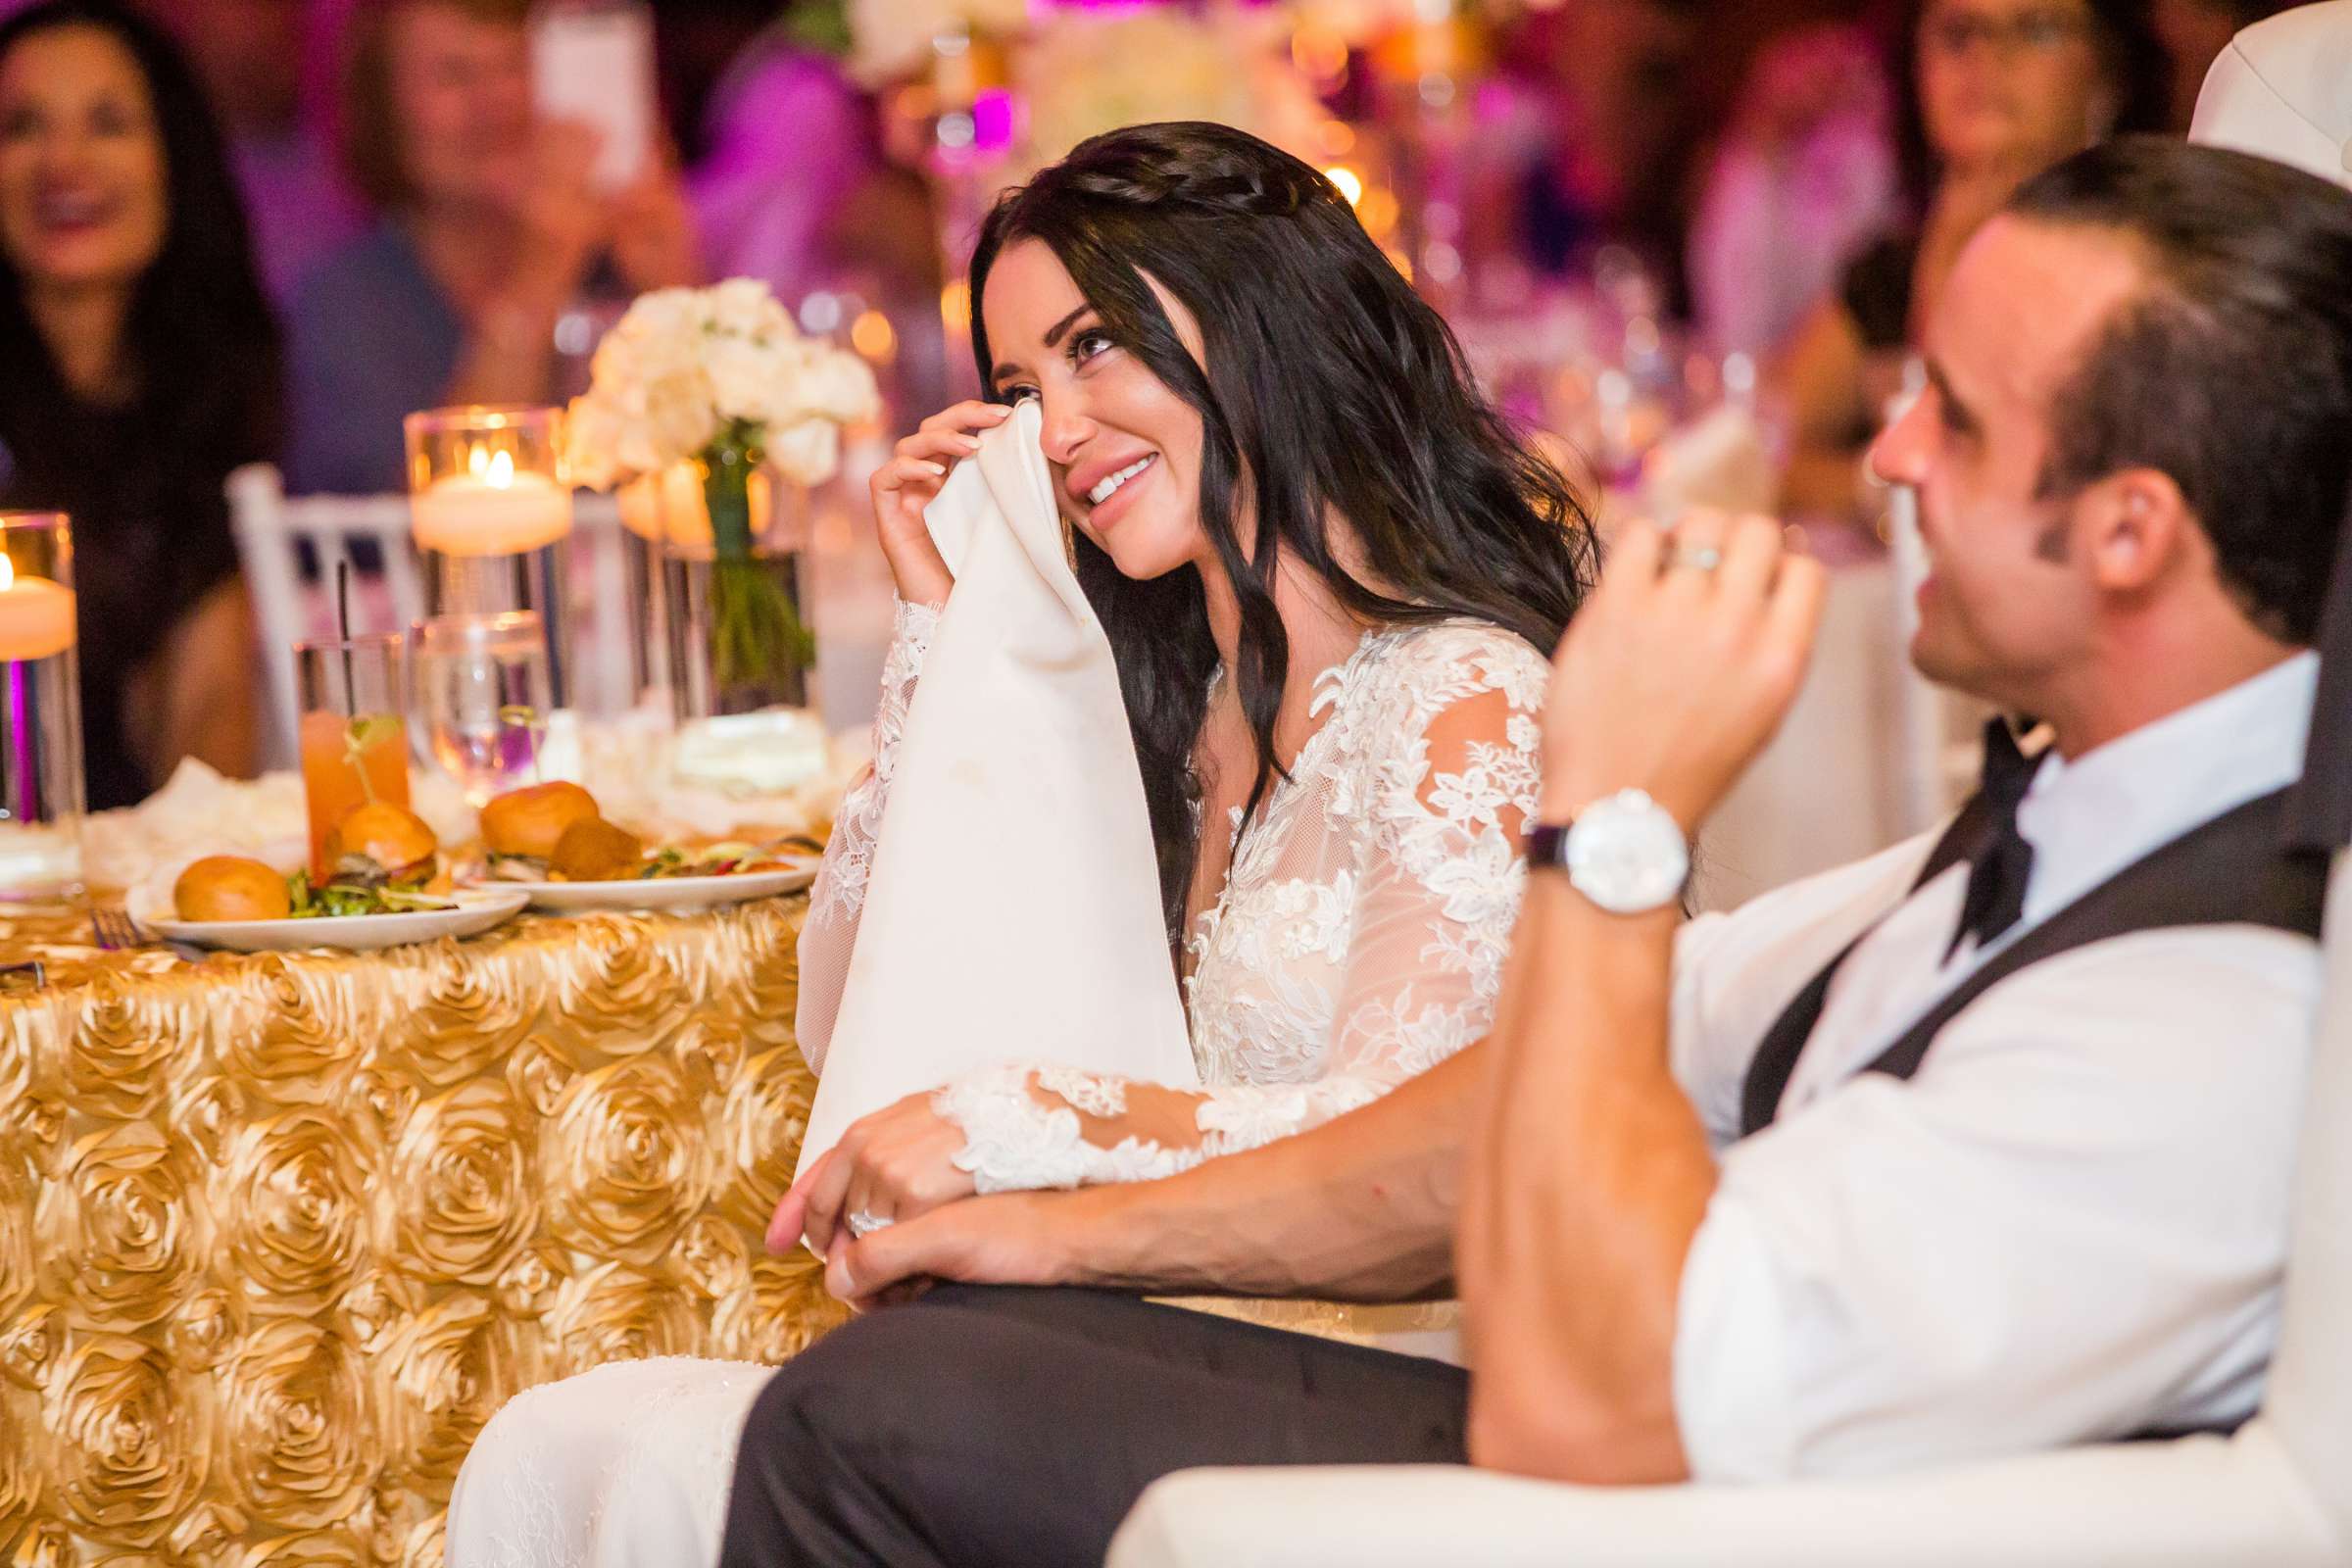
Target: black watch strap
[1548, 844]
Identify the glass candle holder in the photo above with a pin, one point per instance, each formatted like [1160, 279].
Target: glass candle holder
[490, 510]
[41, 785]
[651, 506]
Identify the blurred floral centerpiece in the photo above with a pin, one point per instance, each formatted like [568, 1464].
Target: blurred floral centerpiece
[721, 381]
[1082, 71]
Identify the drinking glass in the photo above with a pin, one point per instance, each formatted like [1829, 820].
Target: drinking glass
[41, 789]
[483, 697]
[355, 746]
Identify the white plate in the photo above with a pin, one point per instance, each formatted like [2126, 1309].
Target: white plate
[478, 910]
[672, 894]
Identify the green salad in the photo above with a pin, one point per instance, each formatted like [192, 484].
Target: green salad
[337, 899]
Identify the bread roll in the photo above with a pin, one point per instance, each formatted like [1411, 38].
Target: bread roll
[529, 822]
[231, 887]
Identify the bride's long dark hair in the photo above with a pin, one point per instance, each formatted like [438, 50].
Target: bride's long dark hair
[1330, 385]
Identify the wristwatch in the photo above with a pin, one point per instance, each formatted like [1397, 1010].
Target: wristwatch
[1625, 851]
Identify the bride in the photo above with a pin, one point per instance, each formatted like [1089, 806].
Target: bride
[1328, 573]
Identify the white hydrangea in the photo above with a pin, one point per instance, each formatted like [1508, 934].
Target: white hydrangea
[684, 363]
[806, 453]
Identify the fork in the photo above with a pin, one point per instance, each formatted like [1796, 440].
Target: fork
[115, 929]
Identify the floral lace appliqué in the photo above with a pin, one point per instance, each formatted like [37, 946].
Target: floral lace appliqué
[840, 891]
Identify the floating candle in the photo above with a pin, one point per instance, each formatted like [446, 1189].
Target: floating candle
[36, 615]
[491, 509]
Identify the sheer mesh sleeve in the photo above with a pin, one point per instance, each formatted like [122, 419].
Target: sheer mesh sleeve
[1418, 924]
[838, 899]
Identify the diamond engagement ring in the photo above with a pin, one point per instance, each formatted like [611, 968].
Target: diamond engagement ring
[862, 1224]
[1699, 558]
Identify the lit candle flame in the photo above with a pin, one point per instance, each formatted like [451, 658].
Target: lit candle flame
[8, 574]
[493, 469]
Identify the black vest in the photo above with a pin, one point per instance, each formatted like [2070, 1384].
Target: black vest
[2230, 871]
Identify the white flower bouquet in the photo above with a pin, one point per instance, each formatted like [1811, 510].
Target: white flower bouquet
[721, 378]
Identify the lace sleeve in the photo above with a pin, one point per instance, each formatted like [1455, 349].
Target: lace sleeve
[838, 899]
[1434, 900]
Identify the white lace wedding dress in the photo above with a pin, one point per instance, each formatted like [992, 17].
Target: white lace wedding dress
[1358, 941]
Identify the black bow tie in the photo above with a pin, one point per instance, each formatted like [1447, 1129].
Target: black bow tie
[2001, 860]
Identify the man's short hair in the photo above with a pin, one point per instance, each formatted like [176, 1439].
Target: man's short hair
[2230, 370]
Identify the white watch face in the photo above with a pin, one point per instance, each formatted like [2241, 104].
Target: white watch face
[1626, 853]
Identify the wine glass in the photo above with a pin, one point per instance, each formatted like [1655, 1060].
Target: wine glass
[483, 697]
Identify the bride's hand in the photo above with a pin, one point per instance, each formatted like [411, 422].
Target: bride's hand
[893, 1165]
[910, 481]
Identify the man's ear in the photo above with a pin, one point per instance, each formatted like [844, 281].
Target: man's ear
[2135, 525]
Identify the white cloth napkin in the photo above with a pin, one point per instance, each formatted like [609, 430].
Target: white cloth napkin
[1012, 908]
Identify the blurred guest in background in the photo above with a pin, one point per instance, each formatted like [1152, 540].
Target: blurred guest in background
[141, 365]
[250, 56]
[1990, 93]
[789, 138]
[795, 190]
[1618, 131]
[490, 229]
[1803, 178]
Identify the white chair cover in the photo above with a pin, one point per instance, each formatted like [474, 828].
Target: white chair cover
[2284, 89]
[1012, 907]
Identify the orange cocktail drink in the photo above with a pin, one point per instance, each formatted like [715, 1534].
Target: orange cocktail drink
[347, 763]
[355, 746]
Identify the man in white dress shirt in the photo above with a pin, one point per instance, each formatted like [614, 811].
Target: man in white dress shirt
[1970, 1147]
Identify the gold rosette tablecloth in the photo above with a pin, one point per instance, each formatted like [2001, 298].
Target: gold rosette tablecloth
[279, 1234]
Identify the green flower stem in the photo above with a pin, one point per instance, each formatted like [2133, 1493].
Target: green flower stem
[756, 634]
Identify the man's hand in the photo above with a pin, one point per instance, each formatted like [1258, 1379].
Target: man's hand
[1011, 1239]
[1675, 673]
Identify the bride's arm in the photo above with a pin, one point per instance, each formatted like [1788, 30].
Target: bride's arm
[1428, 925]
[1360, 1209]
[838, 899]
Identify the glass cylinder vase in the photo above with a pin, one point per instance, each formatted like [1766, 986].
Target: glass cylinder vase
[652, 506]
[739, 641]
[41, 782]
[490, 514]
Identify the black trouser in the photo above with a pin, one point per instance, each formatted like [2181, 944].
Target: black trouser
[997, 1425]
